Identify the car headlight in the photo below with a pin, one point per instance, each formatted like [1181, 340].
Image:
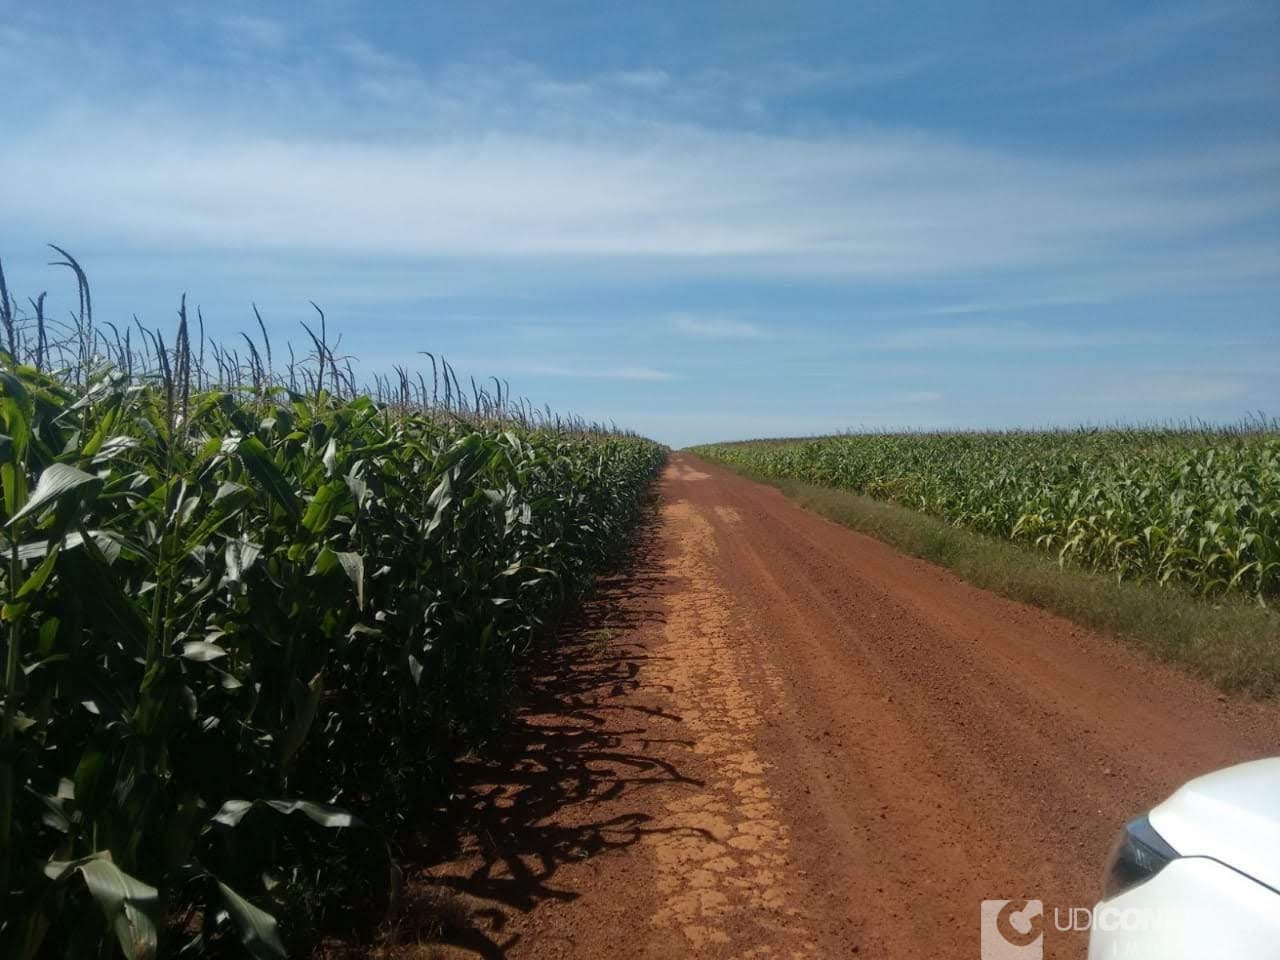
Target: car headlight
[1137, 855]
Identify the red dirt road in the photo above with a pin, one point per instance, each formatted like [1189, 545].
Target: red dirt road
[775, 737]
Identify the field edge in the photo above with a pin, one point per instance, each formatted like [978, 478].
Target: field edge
[1233, 643]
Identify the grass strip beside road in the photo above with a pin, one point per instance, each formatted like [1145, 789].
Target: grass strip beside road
[1234, 643]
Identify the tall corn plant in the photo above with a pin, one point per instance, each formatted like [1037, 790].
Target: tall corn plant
[1195, 506]
[219, 600]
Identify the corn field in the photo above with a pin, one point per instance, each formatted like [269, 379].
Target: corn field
[1195, 507]
[249, 615]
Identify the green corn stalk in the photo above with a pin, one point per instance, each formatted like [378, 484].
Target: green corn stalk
[13, 478]
[1197, 506]
[226, 593]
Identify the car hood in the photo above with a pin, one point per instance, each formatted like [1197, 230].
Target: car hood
[1231, 815]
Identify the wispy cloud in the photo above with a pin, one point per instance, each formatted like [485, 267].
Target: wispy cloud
[651, 79]
[503, 159]
[717, 327]
[843, 190]
[366, 56]
[997, 337]
[1169, 392]
[964, 309]
[873, 205]
[1230, 87]
[257, 31]
[593, 373]
[917, 396]
[1144, 38]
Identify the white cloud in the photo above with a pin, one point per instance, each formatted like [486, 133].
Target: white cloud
[1142, 39]
[358, 152]
[586, 373]
[995, 337]
[917, 396]
[255, 31]
[637, 373]
[366, 56]
[962, 309]
[872, 205]
[642, 79]
[716, 327]
[1165, 391]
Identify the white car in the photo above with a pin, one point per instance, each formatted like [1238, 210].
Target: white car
[1198, 878]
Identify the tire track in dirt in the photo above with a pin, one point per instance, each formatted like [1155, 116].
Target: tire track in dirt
[797, 743]
[723, 858]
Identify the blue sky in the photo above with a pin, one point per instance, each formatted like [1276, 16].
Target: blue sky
[701, 220]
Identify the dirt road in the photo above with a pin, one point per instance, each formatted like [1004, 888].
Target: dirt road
[774, 737]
